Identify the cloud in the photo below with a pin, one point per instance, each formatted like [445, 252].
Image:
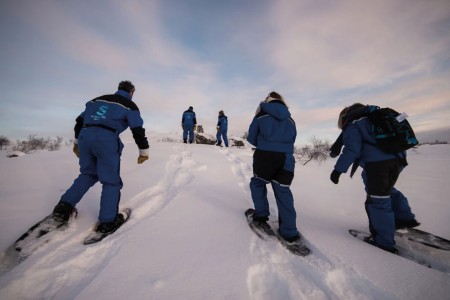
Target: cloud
[426, 100]
[321, 55]
[58, 25]
[352, 43]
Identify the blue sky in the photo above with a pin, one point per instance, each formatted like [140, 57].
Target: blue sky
[223, 55]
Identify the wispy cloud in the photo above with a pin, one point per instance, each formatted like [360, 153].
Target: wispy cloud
[352, 43]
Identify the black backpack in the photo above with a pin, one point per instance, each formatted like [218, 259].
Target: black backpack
[393, 133]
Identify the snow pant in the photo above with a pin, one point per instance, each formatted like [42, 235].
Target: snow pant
[268, 167]
[384, 203]
[99, 158]
[188, 130]
[222, 133]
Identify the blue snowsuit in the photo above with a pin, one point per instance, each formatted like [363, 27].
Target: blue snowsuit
[97, 131]
[222, 129]
[188, 122]
[273, 132]
[384, 204]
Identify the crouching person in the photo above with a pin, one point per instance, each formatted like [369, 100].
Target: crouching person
[387, 208]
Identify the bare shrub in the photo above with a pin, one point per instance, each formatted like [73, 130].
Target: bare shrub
[37, 143]
[318, 150]
[4, 142]
[55, 145]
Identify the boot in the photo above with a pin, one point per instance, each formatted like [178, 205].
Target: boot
[371, 240]
[406, 224]
[63, 211]
[110, 227]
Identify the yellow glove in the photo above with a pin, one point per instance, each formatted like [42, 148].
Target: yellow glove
[142, 158]
[195, 127]
[75, 150]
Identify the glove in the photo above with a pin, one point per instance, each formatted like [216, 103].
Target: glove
[336, 148]
[334, 154]
[75, 150]
[335, 176]
[218, 128]
[142, 158]
[195, 127]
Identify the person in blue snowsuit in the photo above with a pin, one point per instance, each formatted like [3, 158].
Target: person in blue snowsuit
[387, 208]
[222, 129]
[98, 146]
[273, 133]
[189, 124]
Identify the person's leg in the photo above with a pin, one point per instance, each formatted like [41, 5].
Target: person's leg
[403, 214]
[379, 180]
[185, 133]
[258, 189]
[191, 134]
[108, 167]
[88, 173]
[225, 138]
[287, 216]
[381, 220]
[218, 138]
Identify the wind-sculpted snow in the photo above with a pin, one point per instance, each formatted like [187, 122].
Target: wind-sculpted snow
[188, 238]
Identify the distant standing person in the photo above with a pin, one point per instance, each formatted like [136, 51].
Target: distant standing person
[273, 132]
[98, 146]
[387, 208]
[222, 129]
[189, 124]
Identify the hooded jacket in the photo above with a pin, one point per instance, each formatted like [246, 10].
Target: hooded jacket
[272, 128]
[360, 145]
[222, 122]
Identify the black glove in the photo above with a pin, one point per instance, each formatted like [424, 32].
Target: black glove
[336, 148]
[335, 176]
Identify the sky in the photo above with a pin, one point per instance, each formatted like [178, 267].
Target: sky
[223, 55]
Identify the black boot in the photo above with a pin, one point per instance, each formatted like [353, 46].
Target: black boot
[110, 227]
[63, 211]
[406, 224]
[371, 240]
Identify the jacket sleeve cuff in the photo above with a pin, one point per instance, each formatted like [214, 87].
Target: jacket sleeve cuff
[143, 152]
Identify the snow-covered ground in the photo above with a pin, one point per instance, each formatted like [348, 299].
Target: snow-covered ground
[188, 238]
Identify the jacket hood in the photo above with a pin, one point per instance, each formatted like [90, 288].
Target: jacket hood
[124, 94]
[276, 109]
[351, 113]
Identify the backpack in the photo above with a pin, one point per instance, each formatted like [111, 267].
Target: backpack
[393, 133]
